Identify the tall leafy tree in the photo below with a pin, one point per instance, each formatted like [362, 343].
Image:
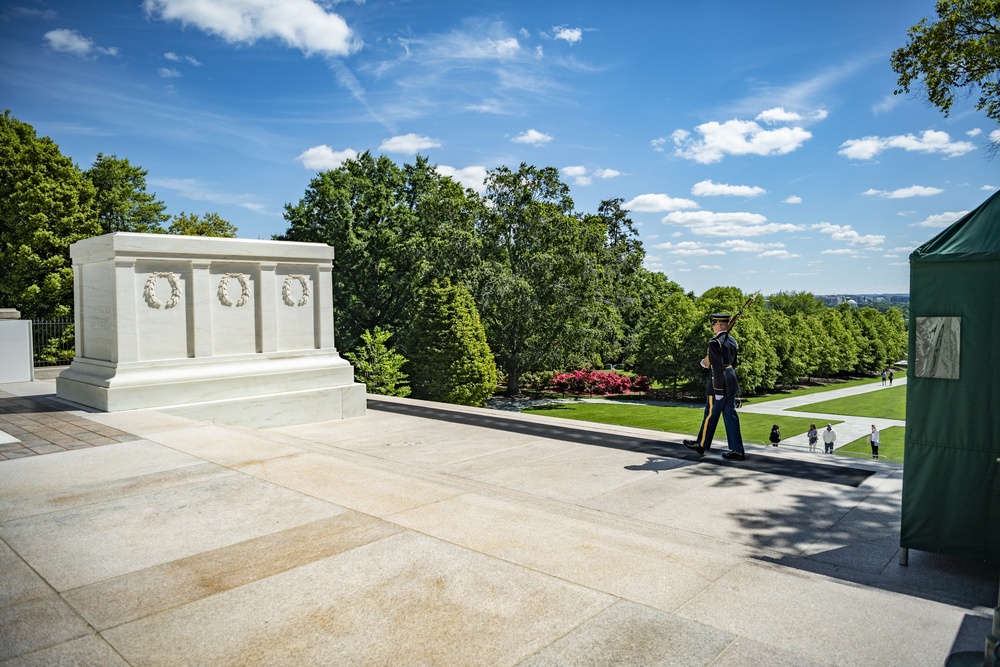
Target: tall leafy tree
[122, 203]
[538, 284]
[959, 53]
[792, 303]
[45, 205]
[896, 337]
[664, 329]
[389, 227]
[450, 360]
[211, 225]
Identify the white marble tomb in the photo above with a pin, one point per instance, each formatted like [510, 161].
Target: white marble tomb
[232, 330]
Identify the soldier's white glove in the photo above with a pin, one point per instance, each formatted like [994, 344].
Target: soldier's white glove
[703, 364]
[718, 397]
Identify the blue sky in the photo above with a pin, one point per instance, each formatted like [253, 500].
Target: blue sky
[757, 144]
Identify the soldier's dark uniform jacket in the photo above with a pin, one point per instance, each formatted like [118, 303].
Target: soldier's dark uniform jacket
[722, 352]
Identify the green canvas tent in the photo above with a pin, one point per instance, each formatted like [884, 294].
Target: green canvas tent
[951, 479]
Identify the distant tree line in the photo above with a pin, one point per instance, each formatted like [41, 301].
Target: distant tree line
[48, 203]
[443, 291]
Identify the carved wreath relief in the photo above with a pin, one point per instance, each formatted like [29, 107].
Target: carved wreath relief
[286, 290]
[223, 291]
[149, 291]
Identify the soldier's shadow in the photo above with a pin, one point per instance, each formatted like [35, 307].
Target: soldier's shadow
[658, 463]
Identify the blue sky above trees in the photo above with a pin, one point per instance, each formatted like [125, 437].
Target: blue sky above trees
[757, 144]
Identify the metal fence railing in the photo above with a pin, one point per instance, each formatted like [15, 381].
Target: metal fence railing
[54, 342]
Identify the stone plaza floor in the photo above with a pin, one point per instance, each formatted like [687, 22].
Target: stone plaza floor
[423, 534]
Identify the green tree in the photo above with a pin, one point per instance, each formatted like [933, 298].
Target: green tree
[450, 360]
[957, 53]
[662, 354]
[45, 205]
[872, 353]
[537, 288]
[211, 225]
[895, 335]
[391, 229]
[791, 303]
[122, 203]
[380, 368]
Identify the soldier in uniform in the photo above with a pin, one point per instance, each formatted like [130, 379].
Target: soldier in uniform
[721, 392]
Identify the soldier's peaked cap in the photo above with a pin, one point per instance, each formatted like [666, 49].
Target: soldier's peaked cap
[721, 317]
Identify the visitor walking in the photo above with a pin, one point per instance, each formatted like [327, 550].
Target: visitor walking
[890, 378]
[813, 436]
[883, 377]
[829, 438]
[775, 436]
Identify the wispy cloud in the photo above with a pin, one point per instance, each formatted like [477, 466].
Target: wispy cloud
[72, 42]
[190, 60]
[792, 199]
[732, 224]
[583, 176]
[300, 24]
[941, 220]
[848, 234]
[930, 141]
[904, 193]
[689, 249]
[408, 143]
[169, 73]
[710, 189]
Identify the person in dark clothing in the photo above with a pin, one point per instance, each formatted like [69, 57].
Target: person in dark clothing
[721, 392]
[775, 436]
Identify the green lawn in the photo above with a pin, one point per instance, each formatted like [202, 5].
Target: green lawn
[892, 445]
[755, 428]
[816, 390]
[888, 403]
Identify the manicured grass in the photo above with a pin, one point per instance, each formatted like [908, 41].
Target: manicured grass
[816, 390]
[892, 445]
[889, 403]
[755, 428]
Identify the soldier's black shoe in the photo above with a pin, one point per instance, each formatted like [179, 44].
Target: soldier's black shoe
[693, 444]
[735, 456]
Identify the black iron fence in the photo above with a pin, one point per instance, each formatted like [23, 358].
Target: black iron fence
[54, 342]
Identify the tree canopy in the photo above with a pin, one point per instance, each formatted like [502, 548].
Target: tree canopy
[192, 225]
[957, 53]
[122, 203]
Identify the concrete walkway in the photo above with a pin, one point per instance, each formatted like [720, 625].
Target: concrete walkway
[398, 539]
[849, 429]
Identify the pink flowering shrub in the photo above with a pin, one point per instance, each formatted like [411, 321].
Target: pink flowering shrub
[597, 382]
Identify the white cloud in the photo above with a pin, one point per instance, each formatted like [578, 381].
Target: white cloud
[840, 251]
[689, 249]
[941, 220]
[70, 41]
[532, 136]
[995, 136]
[408, 143]
[988, 188]
[739, 224]
[778, 254]
[778, 115]
[577, 173]
[975, 132]
[710, 267]
[904, 193]
[792, 199]
[737, 137]
[657, 203]
[169, 73]
[607, 173]
[323, 157]
[473, 177]
[709, 189]
[190, 60]
[301, 24]
[742, 245]
[571, 35]
[658, 143]
[930, 141]
[847, 233]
